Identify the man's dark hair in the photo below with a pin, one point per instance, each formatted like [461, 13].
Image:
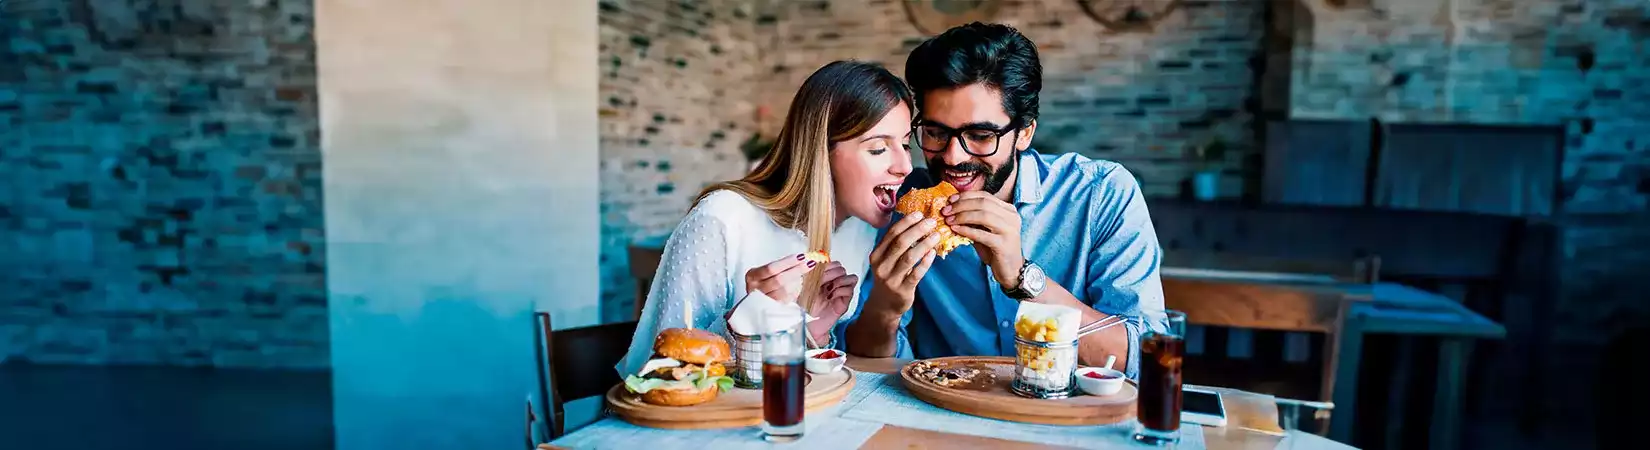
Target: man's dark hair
[994, 54]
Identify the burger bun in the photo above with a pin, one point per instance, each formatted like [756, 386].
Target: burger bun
[679, 397]
[692, 346]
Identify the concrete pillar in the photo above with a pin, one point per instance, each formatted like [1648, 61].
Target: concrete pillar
[460, 174]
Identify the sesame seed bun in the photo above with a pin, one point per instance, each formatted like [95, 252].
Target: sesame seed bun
[692, 346]
[929, 202]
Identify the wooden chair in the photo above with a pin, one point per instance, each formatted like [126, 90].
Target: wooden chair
[1259, 305]
[644, 262]
[576, 363]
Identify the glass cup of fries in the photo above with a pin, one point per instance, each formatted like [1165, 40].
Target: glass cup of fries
[1045, 368]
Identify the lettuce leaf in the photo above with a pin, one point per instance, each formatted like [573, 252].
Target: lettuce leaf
[696, 380]
[725, 383]
[641, 385]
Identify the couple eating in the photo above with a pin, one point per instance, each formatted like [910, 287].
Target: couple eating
[1061, 230]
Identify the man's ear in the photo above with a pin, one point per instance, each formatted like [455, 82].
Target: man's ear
[1024, 141]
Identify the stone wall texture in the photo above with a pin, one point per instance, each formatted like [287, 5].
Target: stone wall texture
[160, 184]
[676, 81]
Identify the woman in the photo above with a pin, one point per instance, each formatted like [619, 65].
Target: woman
[828, 184]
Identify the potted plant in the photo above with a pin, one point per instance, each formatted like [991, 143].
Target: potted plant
[1206, 176]
[755, 148]
[758, 145]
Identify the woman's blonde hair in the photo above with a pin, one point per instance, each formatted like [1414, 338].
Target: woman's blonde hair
[840, 101]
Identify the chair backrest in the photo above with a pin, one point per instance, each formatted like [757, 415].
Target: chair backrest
[1317, 162]
[1511, 170]
[644, 263]
[1261, 305]
[1251, 306]
[577, 363]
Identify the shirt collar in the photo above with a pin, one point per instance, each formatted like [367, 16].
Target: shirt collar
[1028, 187]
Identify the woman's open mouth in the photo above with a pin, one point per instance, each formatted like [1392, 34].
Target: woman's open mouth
[885, 196]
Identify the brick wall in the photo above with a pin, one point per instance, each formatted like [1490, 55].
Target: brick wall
[161, 201]
[675, 107]
[1512, 62]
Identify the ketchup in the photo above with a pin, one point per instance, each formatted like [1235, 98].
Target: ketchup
[1099, 376]
[828, 354]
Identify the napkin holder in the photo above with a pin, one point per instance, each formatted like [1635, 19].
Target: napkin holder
[747, 360]
[747, 348]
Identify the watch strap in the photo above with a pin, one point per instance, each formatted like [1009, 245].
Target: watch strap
[1019, 291]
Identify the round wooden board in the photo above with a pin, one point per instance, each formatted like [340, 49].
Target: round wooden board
[732, 409]
[998, 402]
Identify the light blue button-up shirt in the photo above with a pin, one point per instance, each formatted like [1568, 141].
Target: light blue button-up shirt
[1084, 222]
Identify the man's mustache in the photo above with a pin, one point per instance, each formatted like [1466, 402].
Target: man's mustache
[964, 167]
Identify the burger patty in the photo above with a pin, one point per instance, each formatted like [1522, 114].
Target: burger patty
[680, 373]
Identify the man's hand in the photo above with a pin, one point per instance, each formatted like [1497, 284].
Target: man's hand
[901, 260]
[994, 225]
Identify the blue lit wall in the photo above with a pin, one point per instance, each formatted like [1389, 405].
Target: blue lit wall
[460, 180]
[160, 185]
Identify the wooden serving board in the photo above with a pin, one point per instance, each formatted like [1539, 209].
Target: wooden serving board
[732, 409]
[996, 401]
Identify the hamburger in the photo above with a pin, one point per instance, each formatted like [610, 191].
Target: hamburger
[686, 369]
[929, 202]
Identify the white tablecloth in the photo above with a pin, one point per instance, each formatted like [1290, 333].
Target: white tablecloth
[891, 404]
[875, 400]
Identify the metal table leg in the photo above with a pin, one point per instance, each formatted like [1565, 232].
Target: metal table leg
[1396, 404]
[1453, 356]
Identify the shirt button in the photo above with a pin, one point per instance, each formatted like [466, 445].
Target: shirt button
[1003, 323]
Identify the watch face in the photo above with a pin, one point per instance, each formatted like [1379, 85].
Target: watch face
[1034, 279]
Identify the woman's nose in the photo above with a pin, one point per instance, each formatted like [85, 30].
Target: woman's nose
[902, 164]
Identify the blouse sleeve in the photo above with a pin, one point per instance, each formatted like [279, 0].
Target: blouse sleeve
[691, 287]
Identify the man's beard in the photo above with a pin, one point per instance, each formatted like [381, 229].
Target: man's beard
[994, 180]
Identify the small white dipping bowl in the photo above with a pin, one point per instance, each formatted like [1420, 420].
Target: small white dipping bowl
[1098, 386]
[821, 365]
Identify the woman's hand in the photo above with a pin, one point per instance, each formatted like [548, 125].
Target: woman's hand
[900, 261]
[836, 291]
[781, 280]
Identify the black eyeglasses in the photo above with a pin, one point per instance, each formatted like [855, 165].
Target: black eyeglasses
[977, 140]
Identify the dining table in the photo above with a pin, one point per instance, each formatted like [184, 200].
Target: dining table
[1252, 424]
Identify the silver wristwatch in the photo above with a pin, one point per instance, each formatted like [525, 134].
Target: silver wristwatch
[1031, 283]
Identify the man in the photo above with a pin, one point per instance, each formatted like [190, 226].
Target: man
[1062, 230]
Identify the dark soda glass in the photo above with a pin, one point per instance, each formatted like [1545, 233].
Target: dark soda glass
[782, 391]
[783, 377]
[1161, 353]
[1160, 358]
